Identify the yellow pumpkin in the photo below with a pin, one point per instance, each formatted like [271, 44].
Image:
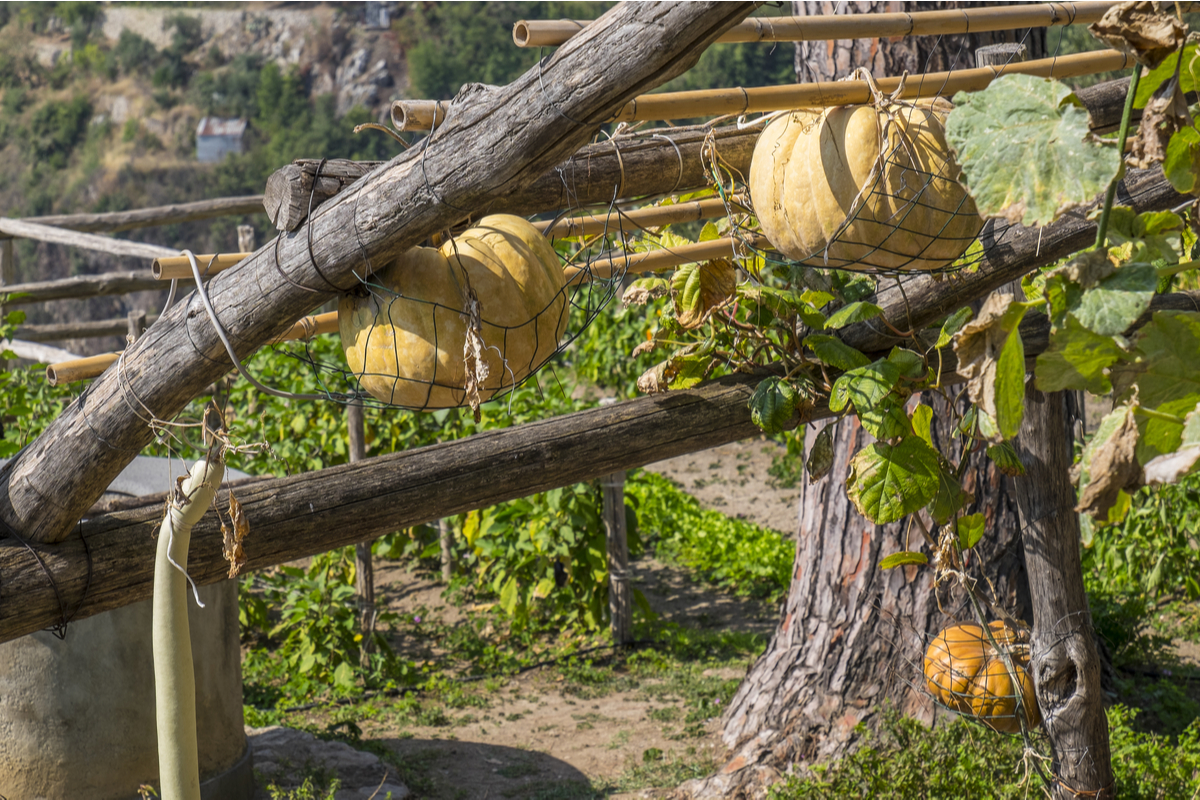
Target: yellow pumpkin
[965, 673]
[404, 334]
[853, 187]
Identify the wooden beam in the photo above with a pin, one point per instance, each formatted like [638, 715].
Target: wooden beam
[107, 561]
[114, 221]
[88, 241]
[77, 330]
[108, 283]
[503, 140]
[977, 19]
[635, 165]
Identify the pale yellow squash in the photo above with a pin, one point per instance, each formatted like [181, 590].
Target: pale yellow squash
[823, 194]
[404, 334]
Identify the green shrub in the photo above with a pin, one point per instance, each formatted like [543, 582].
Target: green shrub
[56, 128]
[134, 53]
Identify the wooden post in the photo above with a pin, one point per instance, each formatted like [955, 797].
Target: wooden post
[620, 600]
[137, 324]
[364, 569]
[1066, 665]
[8, 273]
[246, 239]
[444, 537]
[997, 55]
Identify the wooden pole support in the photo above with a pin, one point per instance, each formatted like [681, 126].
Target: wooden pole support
[658, 260]
[136, 321]
[620, 599]
[418, 115]
[245, 234]
[825, 94]
[176, 266]
[364, 567]
[618, 221]
[84, 368]
[550, 33]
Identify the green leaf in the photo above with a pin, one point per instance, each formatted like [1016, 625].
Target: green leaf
[853, 312]
[698, 289]
[1006, 458]
[685, 371]
[1118, 300]
[970, 530]
[1182, 162]
[953, 325]
[864, 386]
[950, 498]
[1025, 154]
[886, 482]
[543, 589]
[885, 422]
[1077, 358]
[911, 365]
[1170, 378]
[922, 419]
[1010, 386]
[709, 232]
[772, 404]
[834, 352]
[820, 458]
[343, 676]
[902, 558]
[1155, 78]
[509, 596]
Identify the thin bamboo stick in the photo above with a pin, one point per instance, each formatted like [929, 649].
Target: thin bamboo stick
[172, 267]
[79, 369]
[418, 115]
[550, 33]
[658, 260]
[639, 219]
[824, 94]
[84, 368]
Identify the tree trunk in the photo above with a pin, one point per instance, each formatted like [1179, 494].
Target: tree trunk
[1066, 666]
[852, 635]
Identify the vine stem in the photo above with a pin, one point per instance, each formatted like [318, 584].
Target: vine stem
[1122, 135]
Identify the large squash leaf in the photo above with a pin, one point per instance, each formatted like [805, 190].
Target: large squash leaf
[887, 481]
[1024, 148]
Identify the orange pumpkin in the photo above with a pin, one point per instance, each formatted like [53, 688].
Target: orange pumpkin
[964, 672]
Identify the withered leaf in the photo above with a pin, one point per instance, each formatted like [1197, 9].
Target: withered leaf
[643, 290]
[232, 540]
[1114, 466]
[1141, 28]
[979, 346]
[699, 289]
[1166, 112]
[820, 459]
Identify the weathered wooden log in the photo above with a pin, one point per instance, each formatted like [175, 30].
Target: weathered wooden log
[294, 188]
[35, 351]
[108, 283]
[635, 165]
[114, 221]
[88, 241]
[502, 141]
[77, 330]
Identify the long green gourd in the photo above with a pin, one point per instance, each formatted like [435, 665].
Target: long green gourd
[174, 675]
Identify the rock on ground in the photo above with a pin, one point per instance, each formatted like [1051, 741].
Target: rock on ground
[285, 756]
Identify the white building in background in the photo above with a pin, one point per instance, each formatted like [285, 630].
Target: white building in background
[217, 138]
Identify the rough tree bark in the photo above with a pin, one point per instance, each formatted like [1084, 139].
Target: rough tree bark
[852, 635]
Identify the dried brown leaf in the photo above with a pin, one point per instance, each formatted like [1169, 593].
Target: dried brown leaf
[1143, 29]
[232, 540]
[473, 346]
[1114, 466]
[1087, 269]
[978, 347]
[1166, 112]
[701, 290]
[653, 380]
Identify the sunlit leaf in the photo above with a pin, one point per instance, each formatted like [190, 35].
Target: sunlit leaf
[834, 352]
[970, 530]
[1077, 358]
[864, 386]
[1118, 300]
[902, 558]
[887, 482]
[1027, 155]
[853, 312]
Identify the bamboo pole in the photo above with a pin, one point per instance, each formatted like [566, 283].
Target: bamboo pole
[550, 33]
[639, 219]
[170, 267]
[418, 115]
[115, 221]
[825, 94]
[658, 260]
[84, 368]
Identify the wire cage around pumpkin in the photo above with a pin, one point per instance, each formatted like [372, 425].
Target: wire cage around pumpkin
[983, 675]
[409, 345]
[898, 208]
